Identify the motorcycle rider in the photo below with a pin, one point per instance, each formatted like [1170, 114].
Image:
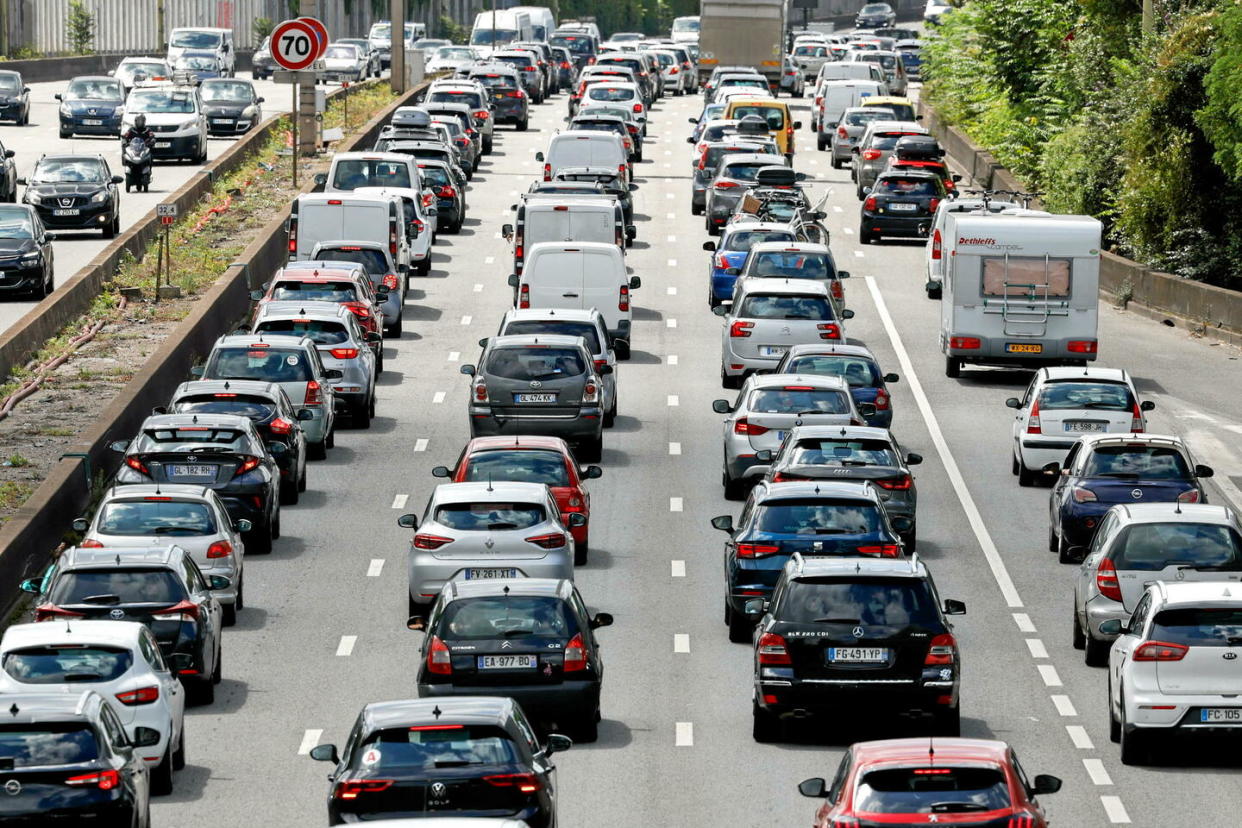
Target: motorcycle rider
[140, 130]
[138, 173]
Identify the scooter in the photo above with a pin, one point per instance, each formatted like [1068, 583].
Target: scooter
[137, 161]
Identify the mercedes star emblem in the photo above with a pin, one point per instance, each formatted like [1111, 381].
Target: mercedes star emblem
[12, 787]
[536, 384]
[117, 614]
[1137, 494]
[858, 632]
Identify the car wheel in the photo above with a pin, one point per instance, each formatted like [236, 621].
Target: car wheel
[735, 489]
[259, 540]
[204, 692]
[587, 729]
[162, 775]
[728, 381]
[1078, 639]
[582, 551]
[610, 416]
[230, 614]
[65, 135]
[623, 350]
[394, 330]
[217, 675]
[949, 722]
[952, 367]
[1114, 726]
[361, 415]
[911, 540]
[1096, 652]
[765, 726]
[933, 291]
[178, 757]
[523, 124]
[592, 450]
[330, 440]
[317, 451]
[1053, 543]
[290, 493]
[1134, 743]
[865, 236]
[1026, 477]
[822, 145]
[740, 629]
[487, 146]
[111, 229]
[275, 520]
[424, 267]
[695, 209]
[1063, 551]
[302, 480]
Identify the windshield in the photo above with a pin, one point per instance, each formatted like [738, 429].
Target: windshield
[269, 364]
[792, 265]
[575, 43]
[67, 663]
[761, 306]
[195, 40]
[320, 332]
[686, 24]
[228, 91]
[842, 452]
[455, 53]
[799, 400]
[518, 465]
[598, 92]
[746, 239]
[1150, 547]
[909, 187]
[489, 517]
[1137, 461]
[552, 326]
[535, 363]
[488, 36]
[122, 586]
[748, 171]
[417, 749]
[95, 90]
[1198, 627]
[374, 261]
[9, 83]
[65, 171]
[315, 291]
[818, 516]
[159, 100]
[436, 176]
[352, 173]
[773, 116]
[895, 602]
[860, 117]
[156, 516]
[53, 743]
[1104, 396]
[194, 62]
[857, 371]
[942, 789]
[257, 409]
[151, 70]
[809, 51]
[379, 30]
[518, 616]
[15, 224]
[342, 52]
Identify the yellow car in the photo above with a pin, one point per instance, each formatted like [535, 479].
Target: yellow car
[781, 125]
[903, 108]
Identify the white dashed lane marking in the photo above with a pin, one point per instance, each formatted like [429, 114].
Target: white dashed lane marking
[438, 398]
[490, 260]
[684, 735]
[309, 739]
[672, 290]
[376, 567]
[678, 569]
[671, 322]
[1049, 674]
[346, 647]
[420, 444]
[681, 642]
[478, 288]
[673, 400]
[466, 320]
[674, 448]
[1037, 648]
[453, 356]
[398, 501]
[672, 263]
[675, 504]
[1024, 622]
[1078, 735]
[1095, 769]
[672, 360]
[1116, 811]
[1063, 705]
[858, 253]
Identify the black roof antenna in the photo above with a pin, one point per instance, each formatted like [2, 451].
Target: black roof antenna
[489, 486]
[435, 711]
[931, 750]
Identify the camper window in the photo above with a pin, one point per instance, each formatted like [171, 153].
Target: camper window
[1013, 276]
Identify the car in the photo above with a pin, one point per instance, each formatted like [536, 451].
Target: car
[730, 253]
[132, 71]
[370, 54]
[455, 137]
[710, 155]
[539, 384]
[14, 98]
[808, 56]
[527, 65]
[891, 63]
[870, 157]
[451, 58]
[473, 95]
[845, 637]
[875, 15]
[772, 259]
[933, 253]
[1170, 671]
[734, 175]
[381, 268]
[118, 660]
[849, 130]
[594, 121]
[563, 63]
[1141, 542]
[767, 317]
[911, 54]
[529, 639]
[345, 283]
[221, 451]
[711, 112]
[344, 63]
[633, 122]
[860, 368]
[27, 257]
[1104, 469]
[84, 761]
[920, 780]
[793, 77]
[197, 66]
[74, 192]
[512, 104]
[900, 203]
[394, 757]
[466, 112]
[91, 105]
[177, 117]
[768, 408]
[603, 181]
[159, 586]
[1062, 404]
[449, 192]
[232, 106]
[139, 515]
[8, 175]
[935, 10]
[841, 518]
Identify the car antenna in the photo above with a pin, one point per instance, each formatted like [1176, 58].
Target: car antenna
[489, 483]
[14, 710]
[931, 750]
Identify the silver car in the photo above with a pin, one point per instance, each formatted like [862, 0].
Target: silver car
[1138, 543]
[381, 269]
[767, 317]
[344, 62]
[767, 409]
[487, 530]
[143, 515]
[734, 176]
[849, 131]
[879, 141]
[709, 154]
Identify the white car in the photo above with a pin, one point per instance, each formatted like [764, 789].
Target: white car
[934, 10]
[121, 661]
[1061, 405]
[344, 62]
[141, 515]
[134, 70]
[1174, 666]
[177, 117]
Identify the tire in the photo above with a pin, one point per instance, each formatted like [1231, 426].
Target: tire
[413, 608]
[290, 494]
[1134, 744]
[1063, 554]
[623, 351]
[302, 481]
[1095, 653]
[204, 692]
[259, 541]
[587, 730]
[765, 727]
[735, 489]
[361, 415]
[610, 416]
[696, 210]
[394, 330]
[487, 146]
[740, 629]
[822, 145]
[65, 135]
[113, 228]
[162, 775]
[424, 267]
[330, 440]
[592, 450]
[230, 615]
[911, 540]
[949, 722]
[317, 451]
[276, 525]
[178, 757]
[1052, 539]
[728, 381]
[1026, 477]
[934, 292]
[217, 675]
[582, 552]
[952, 367]
[1077, 638]
[865, 236]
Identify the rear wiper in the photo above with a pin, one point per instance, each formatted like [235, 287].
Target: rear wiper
[454, 763]
[836, 620]
[168, 530]
[1109, 406]
[102, 599]
[515, 633]
[812, 411]
[497, 527]
[956, 807]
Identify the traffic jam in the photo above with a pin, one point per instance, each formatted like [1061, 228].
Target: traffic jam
[599, 466]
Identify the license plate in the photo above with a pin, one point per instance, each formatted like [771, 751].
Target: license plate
[71, 212]
[1024, 348]
[903, 208]
[92, 122]
[221, 121]
[857, 654]
[194, 471]
[1221, 715]
[780, 435]
[1083, 425]
[508, 662]
[773, 350]
[534, 398]
[486, 574]
[163, 144]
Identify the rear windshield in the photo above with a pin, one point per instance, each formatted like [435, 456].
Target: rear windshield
[858, 117]
[758, 83]
[1101, 396]
[809, 51]
[520, 466]
[67, 663]
[456, 96]
[191, 439]
[887, 140]
[374, 261]
[599, 126]
[818, 516]
[1198, 626]
[798, 401]
[858, 372]
[842, 452]
[901, 112]
[1150, 547]
[419, 748]
[535, 363]
[577, 45]
[352, 173]
[53, 743]
[268, 364]
[515, 60]
[257, 409]
[896, 602]
[773, 115]
[599, 92]
[907, 186]
[1137, 461]
[489, 517]
[495, 81]
[170, 518]
[928, 790]
[887, 61]
[793, 265]
[518, 616]
[763, 306]
[549, 326]
[436, 176]
[117, 586]
[315, 291]
[746, 239]
[320, 332]
[746, 171]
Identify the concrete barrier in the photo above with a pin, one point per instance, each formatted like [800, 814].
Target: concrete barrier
[38, 70]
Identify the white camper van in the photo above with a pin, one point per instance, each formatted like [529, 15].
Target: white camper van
[1019, 290]
[542, 21]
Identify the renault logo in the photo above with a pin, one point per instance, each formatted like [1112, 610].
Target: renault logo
[12, 787]
[117, 614]
[1137, 494]
[858, 632]
[536, 384]
[489, 543]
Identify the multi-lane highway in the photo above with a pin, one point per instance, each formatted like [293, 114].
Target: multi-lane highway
[324, 628]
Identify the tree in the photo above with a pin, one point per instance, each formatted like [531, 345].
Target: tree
[81, 25]
[262, 27]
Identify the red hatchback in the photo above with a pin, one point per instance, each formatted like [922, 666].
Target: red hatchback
[331, 282]
[529, 459]
[966, 782]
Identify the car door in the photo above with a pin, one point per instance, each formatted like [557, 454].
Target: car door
[1024, 410]
[1125, 644]
[170, 686]
[126, 759]
[209, 609]
[1073, 461]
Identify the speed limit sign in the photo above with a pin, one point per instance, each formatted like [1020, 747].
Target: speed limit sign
[295, 45]
[321, 34]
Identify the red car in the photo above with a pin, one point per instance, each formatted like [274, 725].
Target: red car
[965, 782]
[339, 282]
[531, 460]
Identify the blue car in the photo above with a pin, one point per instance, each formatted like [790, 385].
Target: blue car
[911, 52]
[710, 113]
[91, 105]
[853, 363]
[815, 518]
[200, 66]
[730, 254]
[1103, 470]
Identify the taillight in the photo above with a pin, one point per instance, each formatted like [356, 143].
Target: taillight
[1032, 422]
[600, 363]
[104, 780]
[1159, 651]
[841, 133]
[757, 550]
[281, 426]
[942, 650]
[740, 329]
[430, 541]
[293, 235]
[881, 400]
[314, 394]
[446, 192]
[392, 239]
[524, 297]
[871, 154]
[1189, 496]
[933, 204]
[390, 281]
[727, 185]
[721, 262]
[552, 540]
[819, 100]
[344, 353]
[744, 426]
[358, 309]
[248, 464]
[184, 611]
[351, 790]
[590, 392]
[463, 142]
[638, 107]
[880, 550]
[220, 549]
[439, 659]
[772, 649]
[482, 114]
[480, 391]
[1136, 419]
[838, 292]
[869, 204]
[829, 330]
[1082, 495]
[137, 465]
[936, 244]
[1082, 346]
[575, 654]
[90, 543]
[899, 484]
[1106, 580]
[143, 695]
[524, 782]
[547, 172]
[965, 343]
[623, 298]
[47, 612]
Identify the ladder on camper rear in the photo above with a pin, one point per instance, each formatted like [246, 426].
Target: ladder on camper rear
[1026, 313]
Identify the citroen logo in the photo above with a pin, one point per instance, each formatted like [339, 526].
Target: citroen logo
[1229, 656]
[536, 384]
[504, 645]
[12, 787]
[1137, 494]
[858, 632]
[117, 614]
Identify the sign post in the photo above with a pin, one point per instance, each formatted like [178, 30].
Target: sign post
[308, 126]
[296, 45]
[167, 214]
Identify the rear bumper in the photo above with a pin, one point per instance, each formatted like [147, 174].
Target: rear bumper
[428, 574]
[178, 146]
[587, 425]
[914, 227]
[912, 698]
[992, 350]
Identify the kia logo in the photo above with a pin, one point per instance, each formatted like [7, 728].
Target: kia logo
[1229, 656]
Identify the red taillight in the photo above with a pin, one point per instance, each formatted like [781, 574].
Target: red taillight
[482, 114]
[446, 192]
[392, 239]
[104, 780]
[137, 465]
[553, 540]
[344, 353]
[590, 392]
[439, 660]
[564, 64]
[1032, 422]
[480, 391]
[575, 654]
[600, 363]
[1082, 495]
[90, 543]
[727, 185]
[547, 172]
[881, 550]
[183, 611]
[430, 541]
[623, 298]
[740, 329]
[744, 426]
[829, 330]
[351, 790]
[220, 549]
[933, 204]
[390, 281]
[1106, 580]
[638, 107]
[314, 394]
[895, 483]
[524, 297]
[1160, 651]
[1189, 496]
[871, 154]
[936, 242]
[358, 309]
[966, 343]
[1136, 419]
[248, 464]
[757, 550]
[942, 650]
[525, 782]
[143, 695]
[293, 235]
[841, 133]
[703, 160]
[881, 400]
[281, 426]
[838, 292]
[772, 649]
[47, 612]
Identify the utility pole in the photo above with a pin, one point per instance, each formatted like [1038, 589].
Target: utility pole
[1149, 17]
[396, 13]
[159, 25]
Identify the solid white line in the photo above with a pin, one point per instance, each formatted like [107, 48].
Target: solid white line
[490, 260]
[673, 400]
[672, 263]
[685, 735]
[681, 642]
[999, 572]
[1024, 622]
[672, 290]
[465, 320]
[376, 567]
[453, 356]
[1049, 674]
[420, 444]
[478, 288]
[674, 448]
[1078, 735]
[674, 504]
[1037, 648]
[672, 359]
[1063, 705]
[398, 501]
[679, 569]
[671, 322]
[309, 739]
[1095, 769]
[438, 398]
[346, 647]
[1116, 811]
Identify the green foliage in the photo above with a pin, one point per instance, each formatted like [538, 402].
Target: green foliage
[1221, 117]
[81, 28]
[450, 29]
[262, 27]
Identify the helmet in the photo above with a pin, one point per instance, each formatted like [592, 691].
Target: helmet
[140, 122]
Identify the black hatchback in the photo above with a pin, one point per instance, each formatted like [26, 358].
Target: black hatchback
[75, 192]
[26, 255]
[470, 756]
[900, 204]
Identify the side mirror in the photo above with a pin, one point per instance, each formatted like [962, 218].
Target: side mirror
[218, 582]
[694, 121]
[116, 179]
[305, 414]
[1077, 554]
[416, 623]
[145, 737]
[604, 370]
[755, 607]
[764, 455]
[799, 176]
[1113, 626]
[31, 585]
[1204, 471]
[847, 314]
[80, 524]
[913, 459]
[243, 525]
[956, 177]
[441, 471]
[197, 370]
[891, 378]
[723, 522]
[1147, 405]
[1052, 468]
[9, 153]
[814, 788]
[691, 139]
[513, 280]
[256, 295]
[954, 607]
[119, 445]
[179, 661]
[820, 215]
[539, 156]
[576, 520]
[506, 230]
[22, 181]
[635, 283]
[58, 97]
[333, 374]
[259, 100]
[901, 523]
[557, 743]
[277, 449]
[593, 473]
[1013, 402]
[720, 310]
[633, 188]
[325, 753]
[320, 179]
[601, 619]
[709, 246]
[1046, 784]
[408, 521]
[721, 407]
[866, 409]
[372, 336]
[866, 191]
[468, 370]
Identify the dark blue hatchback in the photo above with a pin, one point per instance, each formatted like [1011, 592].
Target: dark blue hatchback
[91, 105]
[729, 256]
[853, 363]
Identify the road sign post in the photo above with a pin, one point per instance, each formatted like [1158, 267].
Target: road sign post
[296, 46]
[308, 124]
[167, 214]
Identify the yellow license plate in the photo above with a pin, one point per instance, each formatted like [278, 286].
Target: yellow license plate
[1023, 348]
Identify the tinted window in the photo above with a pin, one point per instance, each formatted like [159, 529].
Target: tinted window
[762, 306]
[1135, 461]
[516, 616]
[435, 746]
[609, 93]
[203, 63]
[130, 586]
[888, 140]
[315, 291]
[320, 332]
[746, 239]
[69, 171]
[535, 363]
[36, 745]
[1153, 546]
[907, 186]
[492, 517]
[575, 44]
[191, 438]
[897, 602]
[269, 364]
[67, 663]
[858, 117]
[485, 37]
[821, 452]
[95, 90]
[159, 100]
[456, 96]
[745, 171]
[550, 326]
[234, 91]
[15, 224]
[774, 116]
[520, 466]
[374, 261]
[858, 372]
[435, 176]
[793, 401]
[1103, 396]
[257, 409]
[915, 790]
[156, 517]
[352, 173]
[792, 265]
[195, 40]
[1198, 627]
[818, 516]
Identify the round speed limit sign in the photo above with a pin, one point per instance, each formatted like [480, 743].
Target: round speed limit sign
[294, 45]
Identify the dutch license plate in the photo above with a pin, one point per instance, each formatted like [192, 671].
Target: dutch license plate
[486, 574]
[1221, 715]
[194, 471]
[1084, 425]
[903, 208]
[1024, 348]
[857, 654]
[508, 662]
[69, 212]
[773, 350]
[534, 398]
[163, 144]
[92, 122]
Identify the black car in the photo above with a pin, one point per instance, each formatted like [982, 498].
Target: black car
[875, 16]
[26, 257]
[8, 175]
[71, 749]
[582, 47]
[267, 406]
[450, 193]
[900, 204]
[529, 639]
[92, 105]
[160, 587]
[231, 105]
[511, 104]
[469, 756]
[75, 192]
[853, 638]
[14, 99]
[220, 451]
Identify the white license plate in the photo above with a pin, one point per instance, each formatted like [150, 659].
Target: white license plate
[163, 144]
[534, 398]
[485, 574]
[72, 212]
[903, 208]
[1221, 715]
[91, 122]
[508, 662]
[1084, 426]
[773, 350]
[194, 471]
[221, 121]
[857, 654]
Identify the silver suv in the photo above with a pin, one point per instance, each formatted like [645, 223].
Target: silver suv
[879, 141]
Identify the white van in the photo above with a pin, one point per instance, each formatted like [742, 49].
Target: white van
[580, 275]
[203, 39]
[582, 148]
[419, 223]
[371, 217]
[496, 30]
[1019, 290]
[351, 170]
[834, 97]
[555, 218]
[836, 70]
[542, 21]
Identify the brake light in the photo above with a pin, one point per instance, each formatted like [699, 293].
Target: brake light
[1106, 580]
[600, 363]
[1189, 496]
[1032, 422]
[220, 549]
[740, 329]
[104, 780]
[564, 64]
[143, 695]
[314, 394]
[772, 649]
[590, 392]
[553, 540]
[757, 550]
[430, 541]
[638, 107]
[895, 483]
[90, 543]
[482, 114]
[673, 71]
[829, 330]
[623, 299]
[575, 654]
[480, 391]
[281, 426]
[727, 185]
[942, 650]
[1160, 651]
[446, 192]
[841, 133]
[390, 281]
[1082, 346]
[721, 262]
[869, 204]
[351, 790]
[137, 465]
[184, 611]
[1082, 495]
[344, 353]
[1136, 420]
[703, 160]
[392, 238]
[524, 782]
[47, 612]
[744, 426]
[935, 253]
[524, 297]
[871, 154]
[881, 550]
[932, 204]
[881, 400]
[248, 464]
[966, 343]
[293, 235]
